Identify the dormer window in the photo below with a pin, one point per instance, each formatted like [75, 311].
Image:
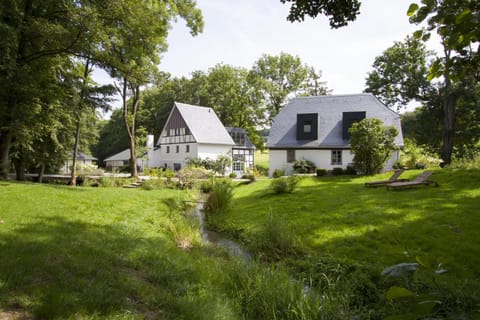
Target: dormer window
[349, 118]
[307, 126]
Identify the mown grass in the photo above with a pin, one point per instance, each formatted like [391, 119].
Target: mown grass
[346, 230]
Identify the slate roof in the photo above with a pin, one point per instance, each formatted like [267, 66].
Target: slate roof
[330, 113]
[247, 143]
[121, 156]
[204, 124]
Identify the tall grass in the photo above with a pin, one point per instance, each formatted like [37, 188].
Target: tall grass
[220, 198]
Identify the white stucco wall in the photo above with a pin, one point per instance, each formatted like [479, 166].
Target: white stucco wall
[321, 158]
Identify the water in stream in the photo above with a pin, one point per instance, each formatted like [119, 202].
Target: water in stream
[214, 238]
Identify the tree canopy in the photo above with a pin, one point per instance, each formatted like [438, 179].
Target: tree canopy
[38, 38]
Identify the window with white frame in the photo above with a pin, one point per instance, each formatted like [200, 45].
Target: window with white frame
[336, 157]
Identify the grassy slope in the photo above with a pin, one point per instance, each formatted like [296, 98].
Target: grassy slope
[338, 217]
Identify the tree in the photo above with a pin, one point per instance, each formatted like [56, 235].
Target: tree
[279, 78]
[372, 144]
[456, 22]
[400, 74]
[339, 12]
[32, 32]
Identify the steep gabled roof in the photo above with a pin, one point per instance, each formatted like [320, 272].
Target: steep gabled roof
[330, 114]
[203, 124]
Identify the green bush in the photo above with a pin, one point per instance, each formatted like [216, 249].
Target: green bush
[304, 166]
[321, 172]
[206, 186]
[337, 171]
[277, 173]
[232, 175]
[284, 184]
[248, 176]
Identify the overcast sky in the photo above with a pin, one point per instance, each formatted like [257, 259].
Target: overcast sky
[238, 32]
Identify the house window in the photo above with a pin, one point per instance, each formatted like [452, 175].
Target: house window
[177, 149]
[168, 149]
[307, 126]
[237, 166]
[187, 148]
[290, 155]
[336, 157]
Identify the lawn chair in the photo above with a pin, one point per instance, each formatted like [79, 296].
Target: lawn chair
[421, 180]
[393, 178]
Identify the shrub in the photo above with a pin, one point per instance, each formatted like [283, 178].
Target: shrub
[220, 198]
[277, 173]
[153, 172]
[304, 166]
[206, 186]
[249, 176]
[261, 170]
[232, 175]
[321, 172]
[284, 184]
[337, 171]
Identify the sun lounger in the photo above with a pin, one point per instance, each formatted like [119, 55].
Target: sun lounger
[393, 178]
[421, 180]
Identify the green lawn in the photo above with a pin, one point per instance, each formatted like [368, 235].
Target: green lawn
[338, 220]
[262, 158]
[112, 253]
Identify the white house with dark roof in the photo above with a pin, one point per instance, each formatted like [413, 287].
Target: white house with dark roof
[190, 132]
[316, 129]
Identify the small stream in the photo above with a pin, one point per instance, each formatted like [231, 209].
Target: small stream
[214, 238]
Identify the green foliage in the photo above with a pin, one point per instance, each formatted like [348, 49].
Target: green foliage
[277, 173]
[372, 144]
[304, 166]
[471, 162]
[416, 157]
[218, 166]
[277, 77]
[188, 176]
[284, 184]
[220, 198]
[400, 74]
[261, 170]
[350, 170]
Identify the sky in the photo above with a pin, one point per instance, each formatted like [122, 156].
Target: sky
[238, 32]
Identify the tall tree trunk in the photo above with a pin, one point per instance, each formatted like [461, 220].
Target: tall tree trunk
[73, 174]
[449, 102]
[448, 128]
[41, 173]
[5, 142]
[129, 119]
[12, 99]
[19, 169]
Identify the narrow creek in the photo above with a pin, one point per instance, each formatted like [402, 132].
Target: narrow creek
[214, 238]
